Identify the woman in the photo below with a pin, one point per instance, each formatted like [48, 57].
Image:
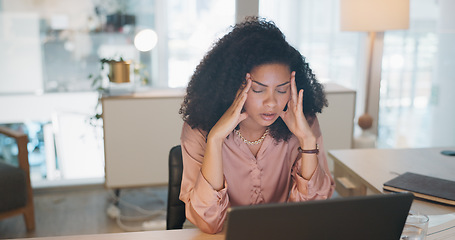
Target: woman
[250, 132]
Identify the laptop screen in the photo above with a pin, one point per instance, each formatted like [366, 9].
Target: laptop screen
[363, 217]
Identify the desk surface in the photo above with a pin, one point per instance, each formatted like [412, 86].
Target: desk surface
[184, 234]
[373, 167]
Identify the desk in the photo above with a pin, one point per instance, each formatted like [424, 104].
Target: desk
[363, 171]
[184, 234]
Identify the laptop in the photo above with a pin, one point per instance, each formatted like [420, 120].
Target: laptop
[371, 217]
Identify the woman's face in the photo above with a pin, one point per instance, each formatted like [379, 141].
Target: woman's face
[269, 93]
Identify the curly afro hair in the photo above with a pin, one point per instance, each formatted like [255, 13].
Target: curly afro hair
[222, 71]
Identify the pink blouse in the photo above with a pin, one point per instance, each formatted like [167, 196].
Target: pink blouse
[272, 176]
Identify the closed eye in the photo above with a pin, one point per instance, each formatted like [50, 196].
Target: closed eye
[282, 90]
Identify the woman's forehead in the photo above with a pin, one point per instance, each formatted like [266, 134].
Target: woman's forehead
[271, 74]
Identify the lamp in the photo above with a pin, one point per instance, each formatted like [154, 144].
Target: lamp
[373, 16]
[145, 40]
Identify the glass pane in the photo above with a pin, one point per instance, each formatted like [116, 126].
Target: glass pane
[36, 148]
[312, 27]
[61, 42]
[416, 105]
[193, 27]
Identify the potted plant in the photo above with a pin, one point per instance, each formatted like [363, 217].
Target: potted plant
[119, 72]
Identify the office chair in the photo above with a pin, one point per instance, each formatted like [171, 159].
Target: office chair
[175, 208]
[16, 195]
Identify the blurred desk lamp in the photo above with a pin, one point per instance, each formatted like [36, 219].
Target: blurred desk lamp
[373, 16]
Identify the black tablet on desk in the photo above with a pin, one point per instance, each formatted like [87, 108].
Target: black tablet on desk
[362, 217]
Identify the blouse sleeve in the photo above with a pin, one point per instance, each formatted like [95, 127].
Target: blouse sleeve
[321, 185]
[204, 206]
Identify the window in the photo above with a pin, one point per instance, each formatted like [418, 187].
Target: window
[60, 42]
[312, 27]
[415, 109]
[193, 27]
[49, 49]
[416, 105]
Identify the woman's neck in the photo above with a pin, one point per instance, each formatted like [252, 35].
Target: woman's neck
[251, 131]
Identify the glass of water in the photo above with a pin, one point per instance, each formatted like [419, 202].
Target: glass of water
[416, 227]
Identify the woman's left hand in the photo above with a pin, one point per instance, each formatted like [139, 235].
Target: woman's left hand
[294, 118]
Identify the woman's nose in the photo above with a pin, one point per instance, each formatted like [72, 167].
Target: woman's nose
[270, 100]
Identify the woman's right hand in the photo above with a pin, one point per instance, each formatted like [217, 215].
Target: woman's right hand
[232, 117]
[212, 165]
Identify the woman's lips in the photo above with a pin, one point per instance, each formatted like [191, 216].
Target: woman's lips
[268, 116]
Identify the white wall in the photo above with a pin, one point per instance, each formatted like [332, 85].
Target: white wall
[20, 58]
[31, 107]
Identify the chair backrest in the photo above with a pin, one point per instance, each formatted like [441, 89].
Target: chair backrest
[175, 208]
[15, 186]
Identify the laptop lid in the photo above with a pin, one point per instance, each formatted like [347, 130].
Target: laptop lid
[363, 217]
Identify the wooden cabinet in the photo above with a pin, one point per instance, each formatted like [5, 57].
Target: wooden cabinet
[337, 120]
[139, 131]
